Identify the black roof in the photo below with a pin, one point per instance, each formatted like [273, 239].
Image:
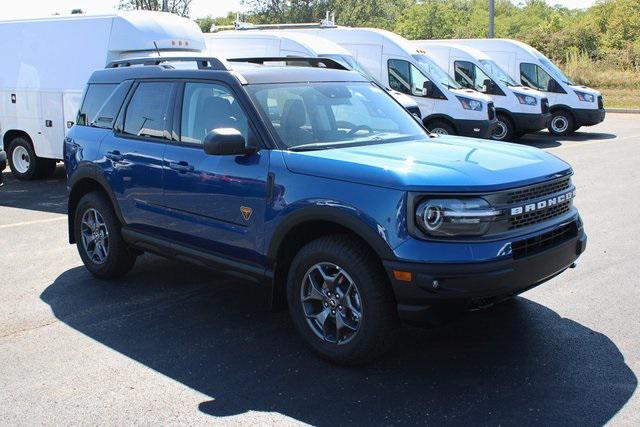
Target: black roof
[251, 74]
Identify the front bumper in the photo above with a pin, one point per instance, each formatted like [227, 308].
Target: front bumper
[588, 117]
[476, 128]
[467, 286]
[530, 122]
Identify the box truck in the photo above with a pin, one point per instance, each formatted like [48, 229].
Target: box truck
[572, 106]
[275, 43]
[519, 109]
[46, 64]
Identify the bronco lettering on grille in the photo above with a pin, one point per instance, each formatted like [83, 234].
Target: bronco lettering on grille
[542, 204]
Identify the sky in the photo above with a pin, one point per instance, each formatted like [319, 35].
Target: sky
[199, 8]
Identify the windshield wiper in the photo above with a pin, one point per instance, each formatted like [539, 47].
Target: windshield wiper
[317, 146]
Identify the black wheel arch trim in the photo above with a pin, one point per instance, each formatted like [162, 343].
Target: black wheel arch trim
[439, 116]
[564, 107]
[327, 214]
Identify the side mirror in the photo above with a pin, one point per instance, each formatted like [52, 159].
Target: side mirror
[226, 142]
[428, 88]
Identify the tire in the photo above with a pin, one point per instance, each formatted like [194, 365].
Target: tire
[562, 123]
[368, 307]
[46, 168]
[576, 128]
[504, 130]
[22, 159]
[440, 127]
[119, 258]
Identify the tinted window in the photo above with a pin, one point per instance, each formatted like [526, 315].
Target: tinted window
[406, 78]
[148, 109]
[471, 76]
[535, 77]
[94, 98]
[208, 106]
[106, 116]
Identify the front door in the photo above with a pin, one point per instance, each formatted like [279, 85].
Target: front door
[216, 203]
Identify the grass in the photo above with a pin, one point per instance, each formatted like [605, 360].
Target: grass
[621, 98]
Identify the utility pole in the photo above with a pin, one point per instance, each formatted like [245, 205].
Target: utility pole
[165, 5]
[491, 14]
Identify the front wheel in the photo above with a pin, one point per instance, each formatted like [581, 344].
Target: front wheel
[561, 123]
[99, 240]
[440, 127]
[340, 300]
[504, 130]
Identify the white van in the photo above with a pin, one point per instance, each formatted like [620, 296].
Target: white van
[445, 106]
[519, 109]
[47, 62]
[274, 43]
[572, 106]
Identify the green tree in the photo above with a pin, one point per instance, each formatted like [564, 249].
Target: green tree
[179, 7]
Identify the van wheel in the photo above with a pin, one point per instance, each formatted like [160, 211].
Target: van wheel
[504, 130]
[23, 161]
[340, 300]
[440, 127]
[561, 123]
[99, 240]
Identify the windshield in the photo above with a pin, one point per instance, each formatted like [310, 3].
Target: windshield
[497, 72]
[311, 116]
[553, 69]
[351, 63]
[437, 73]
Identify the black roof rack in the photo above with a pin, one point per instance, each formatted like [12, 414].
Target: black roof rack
[292, 60]
[204, 63]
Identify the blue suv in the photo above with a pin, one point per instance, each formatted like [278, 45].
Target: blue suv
[315, 182]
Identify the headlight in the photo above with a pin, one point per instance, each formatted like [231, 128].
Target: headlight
[470, 104]
[586, 97]
[455, 217]
[526, 99]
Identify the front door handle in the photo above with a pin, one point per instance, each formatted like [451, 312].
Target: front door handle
[182, 167]
[116, 156]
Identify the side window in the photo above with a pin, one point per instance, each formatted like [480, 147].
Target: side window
[106, 115]
[535, 77]
[464, 75]
[208, 106]
[146, 114]
[400, 75]
[94, 98]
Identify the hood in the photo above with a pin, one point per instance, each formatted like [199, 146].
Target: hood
[444, 163]
[470, 93]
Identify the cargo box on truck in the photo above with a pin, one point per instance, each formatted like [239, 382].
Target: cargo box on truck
[46, 64]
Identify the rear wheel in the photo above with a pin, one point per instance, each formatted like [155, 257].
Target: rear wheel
[99, 239]
[561, 123]
[504, 130]
[340, 300]
[440, 127]
[24, 163]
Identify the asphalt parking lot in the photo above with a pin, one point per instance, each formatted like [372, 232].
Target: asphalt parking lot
[172, 343]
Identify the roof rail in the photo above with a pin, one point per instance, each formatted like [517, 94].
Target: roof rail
[238, 25]
[295, 61]
[204, 63]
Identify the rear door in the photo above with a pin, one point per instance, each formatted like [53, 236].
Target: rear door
[216, 203]
[133, 154]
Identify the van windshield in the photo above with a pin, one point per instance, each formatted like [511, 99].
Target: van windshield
[553, 69]
[497, 72]
[432, 69]
[316, 116]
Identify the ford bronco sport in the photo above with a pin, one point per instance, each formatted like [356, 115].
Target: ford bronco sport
[315, 182]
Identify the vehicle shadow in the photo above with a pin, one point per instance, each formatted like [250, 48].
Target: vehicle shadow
[518, 363]
[48, 195]
[544, 139]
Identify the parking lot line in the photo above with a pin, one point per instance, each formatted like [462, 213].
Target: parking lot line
[38, 221]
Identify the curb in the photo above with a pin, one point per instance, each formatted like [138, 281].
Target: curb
[623, 110]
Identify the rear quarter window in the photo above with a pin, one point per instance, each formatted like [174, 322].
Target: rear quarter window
[94, 98]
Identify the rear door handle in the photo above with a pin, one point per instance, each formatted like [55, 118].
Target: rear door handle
[182, 167]
[116, 156]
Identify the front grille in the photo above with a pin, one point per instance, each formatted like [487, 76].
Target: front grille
[537, 217]
[532, 245]
[540, 190]
[545, 105]
[600, 102]
[491, 111]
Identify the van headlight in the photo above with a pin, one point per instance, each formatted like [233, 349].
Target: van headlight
[470, 104]
[526, 99]
[455, 217]
[586, 97]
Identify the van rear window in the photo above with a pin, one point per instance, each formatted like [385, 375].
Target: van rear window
[94, 98]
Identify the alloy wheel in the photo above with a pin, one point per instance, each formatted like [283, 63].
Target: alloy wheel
[95, 236]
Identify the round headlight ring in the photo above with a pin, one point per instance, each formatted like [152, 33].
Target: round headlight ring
[432, 217]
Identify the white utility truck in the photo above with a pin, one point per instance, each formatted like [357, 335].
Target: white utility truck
[519, 109]
[280, 44]
[572, 106]
[47, 62]
[445, 106]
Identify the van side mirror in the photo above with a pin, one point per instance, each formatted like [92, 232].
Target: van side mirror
[226, 142]
[428, 88]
